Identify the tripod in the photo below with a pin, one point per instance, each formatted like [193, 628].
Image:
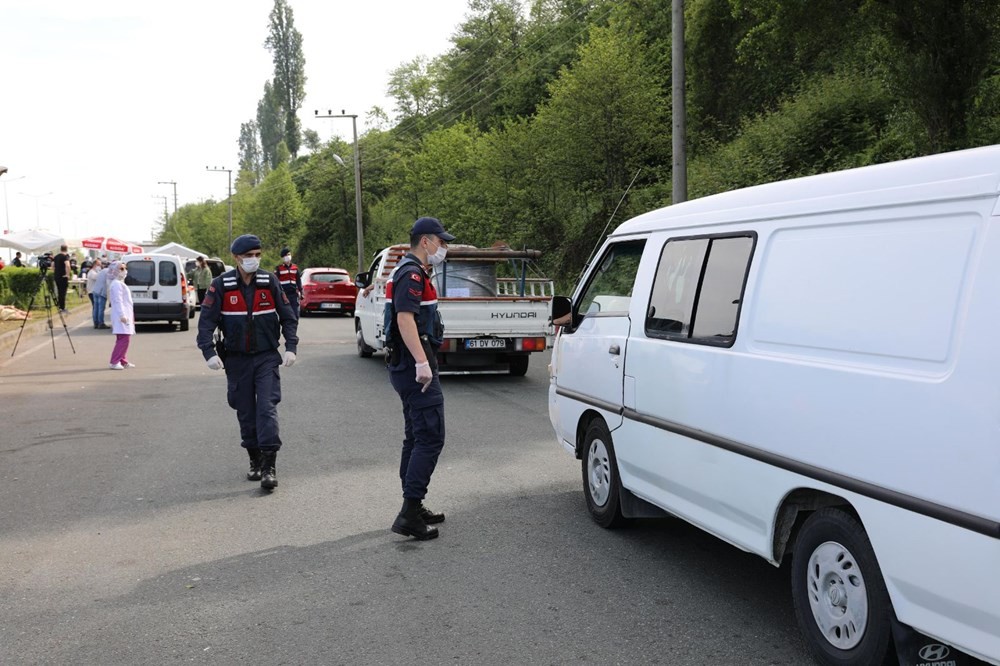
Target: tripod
[50, 298]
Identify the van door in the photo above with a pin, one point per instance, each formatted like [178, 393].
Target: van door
[169, 282]
[591, 360]
[368, 305]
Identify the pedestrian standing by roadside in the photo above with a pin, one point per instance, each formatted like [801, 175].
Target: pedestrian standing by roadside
[60, 272]
[202, 278]
[416, 334]
[97, 290]
[290, 278]
[249, 306]
[122, 316]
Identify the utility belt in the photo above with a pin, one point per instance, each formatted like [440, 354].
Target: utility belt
[396, 349]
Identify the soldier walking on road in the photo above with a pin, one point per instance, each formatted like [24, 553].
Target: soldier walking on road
[416, 333]
[251, 310]
[290, 278]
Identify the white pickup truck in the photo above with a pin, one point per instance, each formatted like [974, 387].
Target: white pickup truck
[490, 323]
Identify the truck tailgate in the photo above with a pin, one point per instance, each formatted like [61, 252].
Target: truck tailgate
[514, 317]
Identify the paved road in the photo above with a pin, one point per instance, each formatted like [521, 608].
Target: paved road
[128, 535]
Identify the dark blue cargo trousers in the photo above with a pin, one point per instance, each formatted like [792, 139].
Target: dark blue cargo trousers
[254, 391]
[423, 430]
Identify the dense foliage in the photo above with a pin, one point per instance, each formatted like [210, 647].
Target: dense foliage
[531, 127]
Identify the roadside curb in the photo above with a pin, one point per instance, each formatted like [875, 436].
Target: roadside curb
[38, 323]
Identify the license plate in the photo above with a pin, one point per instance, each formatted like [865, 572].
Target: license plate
[486, 343]
[330, 306]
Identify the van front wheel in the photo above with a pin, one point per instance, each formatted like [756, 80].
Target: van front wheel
[841, 603]
[601, 485]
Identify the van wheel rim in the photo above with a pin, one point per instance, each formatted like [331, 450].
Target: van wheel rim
[837, 595]
[599, 472]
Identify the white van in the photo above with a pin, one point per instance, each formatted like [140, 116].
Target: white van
[810, 371]
[159, 288]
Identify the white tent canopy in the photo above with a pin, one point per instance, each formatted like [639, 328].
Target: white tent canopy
[180, 250]
[32, 240]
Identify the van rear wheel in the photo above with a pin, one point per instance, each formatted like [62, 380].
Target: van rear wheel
[841, 603]
[185, 324]
[601, 485]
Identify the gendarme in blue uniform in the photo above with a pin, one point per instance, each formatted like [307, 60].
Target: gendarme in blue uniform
[423, 411]
[252, 317]
[290, 278]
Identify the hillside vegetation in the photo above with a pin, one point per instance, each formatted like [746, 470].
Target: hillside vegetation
[531, 127]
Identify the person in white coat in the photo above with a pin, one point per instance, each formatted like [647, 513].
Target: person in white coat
[122, 315]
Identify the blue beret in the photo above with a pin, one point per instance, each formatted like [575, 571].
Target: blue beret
[245, 243]
[431, 225]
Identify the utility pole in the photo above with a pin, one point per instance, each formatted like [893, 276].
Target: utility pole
[170, 182]
[678, 107]
[230, 172]
[357, 183]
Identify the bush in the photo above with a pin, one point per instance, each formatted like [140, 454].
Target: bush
[18, 285]
[830, 125]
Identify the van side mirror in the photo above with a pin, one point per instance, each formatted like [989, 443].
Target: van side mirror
[362, 280]
[560, 308]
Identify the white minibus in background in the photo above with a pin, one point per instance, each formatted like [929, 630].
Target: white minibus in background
[810, 371]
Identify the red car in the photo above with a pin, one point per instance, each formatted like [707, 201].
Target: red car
[327, 290]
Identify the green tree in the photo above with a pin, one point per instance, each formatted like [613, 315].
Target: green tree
[270, 124]
[940, 51]
[251, 160]
[284, 42]
[276, 212]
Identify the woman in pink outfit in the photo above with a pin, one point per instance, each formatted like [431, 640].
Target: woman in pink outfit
[122, 316]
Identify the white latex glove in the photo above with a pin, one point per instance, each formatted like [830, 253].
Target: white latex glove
[289, 359]
[215, 363]
[424, 375]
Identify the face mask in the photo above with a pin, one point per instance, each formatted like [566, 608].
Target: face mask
[250, 264]
[288, 258]
[122, 274]
[438, 257]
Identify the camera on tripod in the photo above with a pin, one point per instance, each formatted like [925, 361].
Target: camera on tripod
[45, 262]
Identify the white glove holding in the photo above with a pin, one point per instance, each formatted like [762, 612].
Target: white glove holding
[424, 375]
[289, 359]
[215, 363]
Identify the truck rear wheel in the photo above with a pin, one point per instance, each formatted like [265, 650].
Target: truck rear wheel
[518, 365]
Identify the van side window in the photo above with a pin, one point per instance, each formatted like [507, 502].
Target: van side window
[698, 288]
[168, 274]
[610, 287]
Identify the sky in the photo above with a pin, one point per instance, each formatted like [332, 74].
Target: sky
[102, 100]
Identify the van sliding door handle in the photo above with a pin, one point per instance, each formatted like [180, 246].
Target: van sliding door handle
[614, 349]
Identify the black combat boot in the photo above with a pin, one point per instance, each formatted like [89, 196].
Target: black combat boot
[409, 522]
[254, 473]
[430, 517]
[268, 474]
